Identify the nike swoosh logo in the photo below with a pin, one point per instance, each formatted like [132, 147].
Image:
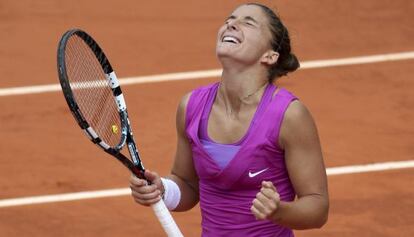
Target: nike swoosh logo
[251, 175]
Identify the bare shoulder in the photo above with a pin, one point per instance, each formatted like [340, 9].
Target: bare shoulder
[298, 123]
[183, 103]
[181, 112]
[297, 112]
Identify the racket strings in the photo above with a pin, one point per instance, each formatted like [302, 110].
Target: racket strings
[91, 91]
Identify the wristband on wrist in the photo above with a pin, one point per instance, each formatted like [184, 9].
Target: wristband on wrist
[171, 194]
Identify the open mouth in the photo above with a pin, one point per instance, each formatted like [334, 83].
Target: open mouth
[230, 39]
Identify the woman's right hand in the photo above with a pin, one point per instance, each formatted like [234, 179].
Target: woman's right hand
[143, 193]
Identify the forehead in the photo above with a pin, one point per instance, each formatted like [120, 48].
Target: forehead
[250, 11]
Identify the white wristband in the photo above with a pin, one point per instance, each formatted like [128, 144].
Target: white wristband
[172, 193]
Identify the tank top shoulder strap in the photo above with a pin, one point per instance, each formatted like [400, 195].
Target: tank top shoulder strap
[198, 99]
[277, 108]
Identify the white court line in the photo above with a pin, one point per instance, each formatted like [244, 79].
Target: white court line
[353, 169]
[216, 73]
[126, 191]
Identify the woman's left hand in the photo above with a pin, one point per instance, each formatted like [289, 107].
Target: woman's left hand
[266, 203]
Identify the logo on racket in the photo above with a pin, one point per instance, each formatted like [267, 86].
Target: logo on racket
[114, 129]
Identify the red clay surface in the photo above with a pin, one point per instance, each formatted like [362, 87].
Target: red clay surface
[363, 112]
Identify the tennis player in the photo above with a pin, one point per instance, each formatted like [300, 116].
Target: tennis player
[247, 150]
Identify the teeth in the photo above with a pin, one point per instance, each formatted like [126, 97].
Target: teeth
[230, 39]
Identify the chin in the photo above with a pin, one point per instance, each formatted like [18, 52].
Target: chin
[224, 56]
[225, 52]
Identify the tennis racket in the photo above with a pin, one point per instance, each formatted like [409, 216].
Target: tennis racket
[94, 96]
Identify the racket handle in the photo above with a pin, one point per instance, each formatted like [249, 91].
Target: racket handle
[166, 220]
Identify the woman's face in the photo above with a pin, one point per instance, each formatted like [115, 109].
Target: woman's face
[245, 36]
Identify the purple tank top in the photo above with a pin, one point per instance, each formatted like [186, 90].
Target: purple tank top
[226, 194]
[222, 154]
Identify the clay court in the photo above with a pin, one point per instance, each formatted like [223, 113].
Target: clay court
[364, 111]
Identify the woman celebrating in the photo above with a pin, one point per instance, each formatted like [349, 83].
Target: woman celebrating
[247, 150]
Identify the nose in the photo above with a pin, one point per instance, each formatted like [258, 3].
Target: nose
[233, 24]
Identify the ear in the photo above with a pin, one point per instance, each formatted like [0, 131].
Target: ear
[270, 57]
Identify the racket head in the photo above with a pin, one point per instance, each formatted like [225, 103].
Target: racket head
[79, 54]
[91, 90]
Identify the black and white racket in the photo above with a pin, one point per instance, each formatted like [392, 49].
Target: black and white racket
[95, 99]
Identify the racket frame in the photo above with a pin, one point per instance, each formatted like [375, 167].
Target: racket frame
[136, 166]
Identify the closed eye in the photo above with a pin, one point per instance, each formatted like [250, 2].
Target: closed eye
[228, 20]
[250, 20]
[249, 23]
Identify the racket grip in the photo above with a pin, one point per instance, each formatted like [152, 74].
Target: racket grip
[166, 219]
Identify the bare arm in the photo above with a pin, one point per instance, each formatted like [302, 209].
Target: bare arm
[182, 173]
[303, 155]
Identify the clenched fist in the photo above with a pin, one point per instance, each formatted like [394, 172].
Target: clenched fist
[266, 203]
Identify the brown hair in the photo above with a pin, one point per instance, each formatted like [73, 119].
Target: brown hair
[287, 61]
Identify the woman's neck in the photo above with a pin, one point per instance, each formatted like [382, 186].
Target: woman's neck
[238, 89]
